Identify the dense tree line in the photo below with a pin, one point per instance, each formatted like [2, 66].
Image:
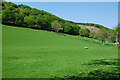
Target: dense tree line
[25, 16]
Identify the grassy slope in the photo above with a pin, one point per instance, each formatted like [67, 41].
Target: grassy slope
[36, 53]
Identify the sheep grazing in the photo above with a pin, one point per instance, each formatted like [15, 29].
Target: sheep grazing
[85, 47]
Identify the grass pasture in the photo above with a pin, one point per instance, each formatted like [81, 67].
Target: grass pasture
[29, 53]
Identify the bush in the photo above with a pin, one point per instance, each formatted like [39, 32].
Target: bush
[71, 29]
[84, 32]
[56, 26]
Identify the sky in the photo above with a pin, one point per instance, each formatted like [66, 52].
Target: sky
[104, 13]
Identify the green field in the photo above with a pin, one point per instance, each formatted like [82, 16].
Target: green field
[30, 53]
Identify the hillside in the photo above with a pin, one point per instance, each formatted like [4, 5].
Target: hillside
[23, 15]
[38, 44]
[91, 28]
[29, 53]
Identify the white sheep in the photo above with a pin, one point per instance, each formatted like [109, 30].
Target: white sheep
[85, 47]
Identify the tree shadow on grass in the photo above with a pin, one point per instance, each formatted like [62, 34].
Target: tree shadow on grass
[100, 43]
[113, 61]
[99, 74]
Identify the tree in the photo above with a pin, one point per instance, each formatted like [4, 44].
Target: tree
[8, 16]
[103, 33]
[39, 20]
[56, 26]
[84, 33]
[26, 11]
[30, 21]
[19, 19]
[117, 31]
[71, 29]
[23, 6]
[46, 23]
[34, 12]
[92, 35]
[87, 32]
[111, 36]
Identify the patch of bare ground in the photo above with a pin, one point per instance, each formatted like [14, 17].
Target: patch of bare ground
[91, 28]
